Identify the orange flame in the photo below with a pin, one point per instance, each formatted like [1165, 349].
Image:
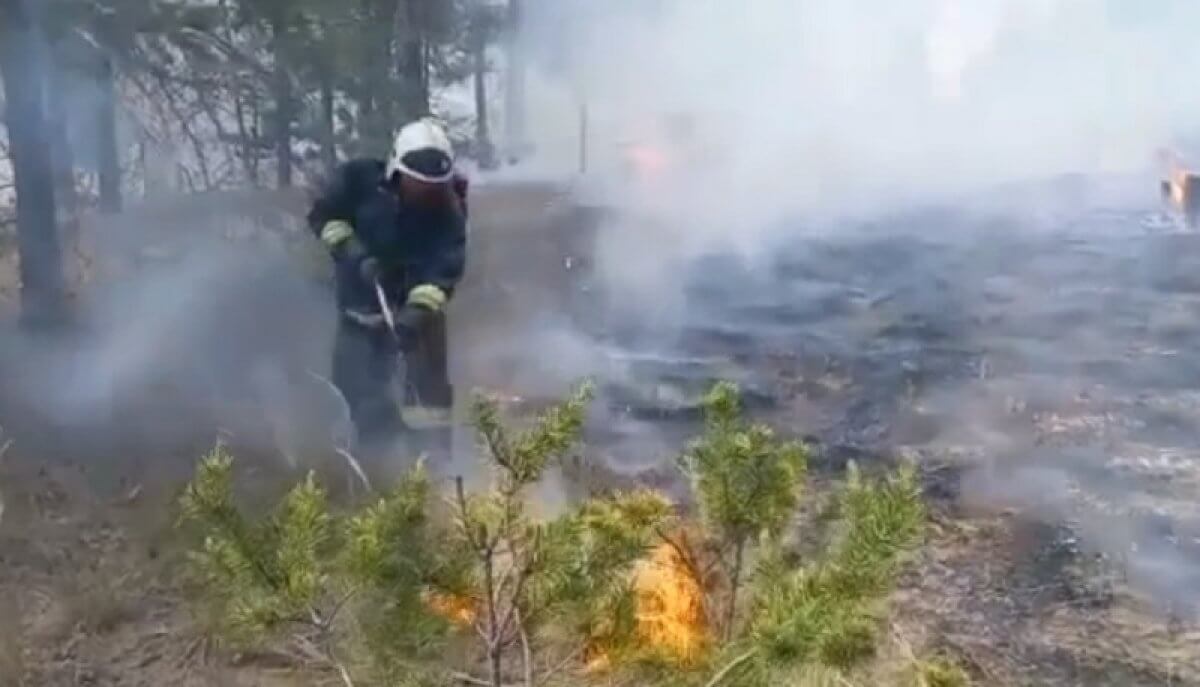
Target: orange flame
[647, 160]
[459, 610]
[670, 605]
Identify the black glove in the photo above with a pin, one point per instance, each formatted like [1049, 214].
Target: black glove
[369, 270]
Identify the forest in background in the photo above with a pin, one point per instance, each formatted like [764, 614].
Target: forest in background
[104, 100]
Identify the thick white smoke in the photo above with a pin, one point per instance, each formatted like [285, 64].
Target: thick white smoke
[785, 116]
[816, 105]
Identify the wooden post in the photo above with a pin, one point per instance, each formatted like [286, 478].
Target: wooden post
[583, 138]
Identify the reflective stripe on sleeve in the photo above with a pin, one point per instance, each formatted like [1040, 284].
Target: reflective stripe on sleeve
[427, 296]
[333, 233]
[365, 319]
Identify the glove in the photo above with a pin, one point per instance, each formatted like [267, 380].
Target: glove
[369, 270]
[409, 322]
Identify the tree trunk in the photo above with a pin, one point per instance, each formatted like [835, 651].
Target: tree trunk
[484, 151]
[328, 131]
[583, 138]
[282, 87]
[514, 90]
[109, 160]
[247, 150]
[377, 89]
[412, 72]
[413, 66]
[63, 161]
[23, 62]
[735, 583]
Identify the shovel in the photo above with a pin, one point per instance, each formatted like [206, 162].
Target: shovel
[389, 317]
[401, 379]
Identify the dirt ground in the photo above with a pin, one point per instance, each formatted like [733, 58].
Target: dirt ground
[1021, 592]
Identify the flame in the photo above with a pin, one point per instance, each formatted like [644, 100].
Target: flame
[647, 160]
[459, 610]
[670, 605]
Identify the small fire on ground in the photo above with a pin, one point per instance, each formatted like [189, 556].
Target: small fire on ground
[459, 610]
[670, 609]
[670, 605]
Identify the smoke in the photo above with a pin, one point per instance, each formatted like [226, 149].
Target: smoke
[782, 118]
[779, 119]
[825, 104]
[183, 335]
[786, 125]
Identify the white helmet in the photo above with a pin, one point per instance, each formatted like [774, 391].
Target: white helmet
[422, 150]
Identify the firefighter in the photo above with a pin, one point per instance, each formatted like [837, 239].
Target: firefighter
[395, 227]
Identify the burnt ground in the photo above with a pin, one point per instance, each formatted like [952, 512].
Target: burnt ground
[1040, 366]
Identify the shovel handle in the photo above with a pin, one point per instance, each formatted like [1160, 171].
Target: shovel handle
[386, 307]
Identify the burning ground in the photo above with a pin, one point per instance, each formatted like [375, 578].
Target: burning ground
[1038, 361]
[1036, 355]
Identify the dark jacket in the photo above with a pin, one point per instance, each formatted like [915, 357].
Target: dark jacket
[414, 245]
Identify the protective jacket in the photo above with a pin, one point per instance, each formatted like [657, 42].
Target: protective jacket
[421, 251]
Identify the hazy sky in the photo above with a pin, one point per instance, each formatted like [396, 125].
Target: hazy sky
[895, 99]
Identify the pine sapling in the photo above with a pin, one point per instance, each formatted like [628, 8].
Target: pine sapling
[392, 558]
[747, 483]
[826, 613]
[270, 576]
[528, 574]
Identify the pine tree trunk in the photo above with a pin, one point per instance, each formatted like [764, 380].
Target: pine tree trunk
[282, 87]
[376, 89]
[23, 63]
[109, 161]
[63, 161]
[495, 649]
[514, 90]
[735, 583]
[328, 133]
[483, 142]
[412, 71]
[413, 65]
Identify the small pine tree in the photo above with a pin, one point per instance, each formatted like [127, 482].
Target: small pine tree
[747, 484]
[270, 578]
[492, 570]
[395, 581]
[528, 575]
[392, 556]
[819, 617]
[826, 613]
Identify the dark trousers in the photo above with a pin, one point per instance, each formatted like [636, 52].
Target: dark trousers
[365, 365]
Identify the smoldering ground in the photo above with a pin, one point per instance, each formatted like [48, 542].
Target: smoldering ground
[1036, 324]
[1053, 363]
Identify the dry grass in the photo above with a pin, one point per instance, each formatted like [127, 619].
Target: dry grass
[12, 651]
[5, 445]
[97, 602]
[939, 672]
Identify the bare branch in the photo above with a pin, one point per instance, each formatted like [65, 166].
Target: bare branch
[730, 667]
[526, 651]
[561, 665]
[685, 555]
[464, 678]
